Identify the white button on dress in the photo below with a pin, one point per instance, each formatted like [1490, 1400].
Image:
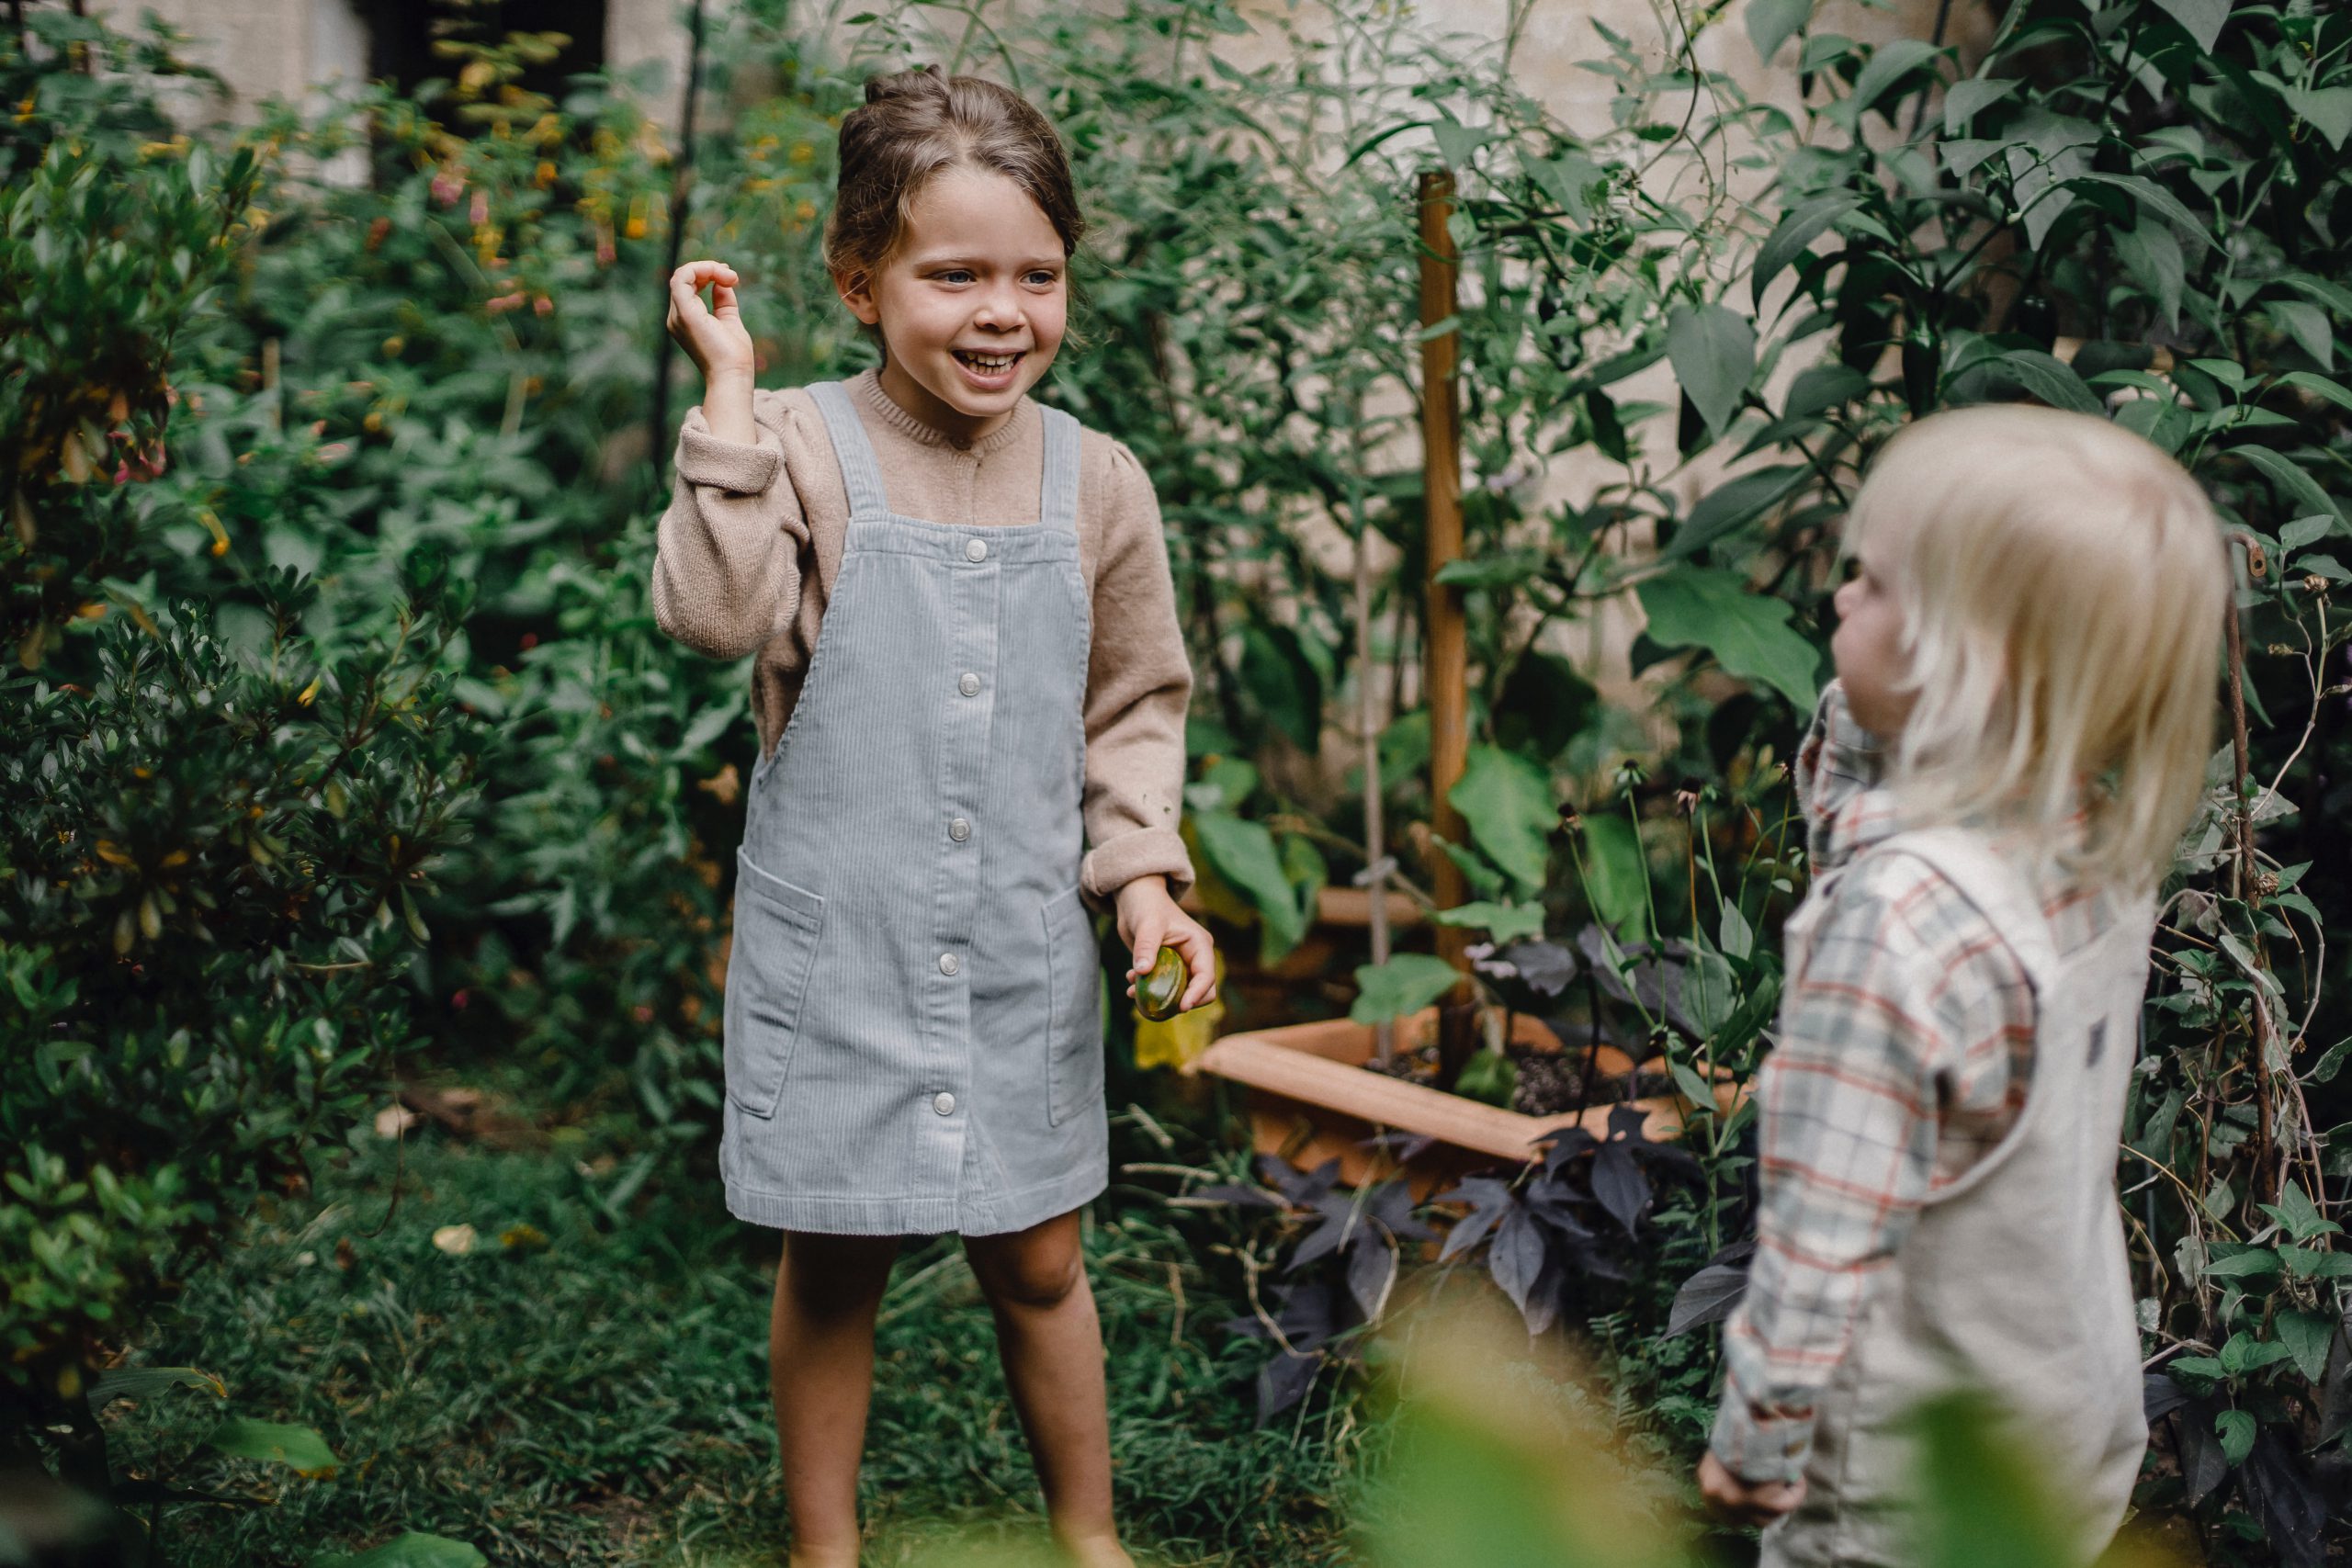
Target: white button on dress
[944, 1103]
[949, 963]
[976, 549]
[970, 686]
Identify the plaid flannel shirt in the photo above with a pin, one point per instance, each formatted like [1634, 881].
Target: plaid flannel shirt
[1904, 1053]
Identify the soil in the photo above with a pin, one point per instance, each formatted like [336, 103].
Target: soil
[1551, 1082]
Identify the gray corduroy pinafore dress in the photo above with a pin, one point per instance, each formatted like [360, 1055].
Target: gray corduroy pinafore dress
[913, 1026]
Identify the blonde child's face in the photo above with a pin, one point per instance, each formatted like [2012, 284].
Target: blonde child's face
[972, 304]
[1868, 646]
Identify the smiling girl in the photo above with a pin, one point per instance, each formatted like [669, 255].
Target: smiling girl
[970, 690]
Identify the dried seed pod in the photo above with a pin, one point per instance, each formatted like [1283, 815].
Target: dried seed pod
[1159, 993]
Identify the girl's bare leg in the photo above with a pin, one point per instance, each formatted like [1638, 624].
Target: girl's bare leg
[1051, 1341]
[821, 1369]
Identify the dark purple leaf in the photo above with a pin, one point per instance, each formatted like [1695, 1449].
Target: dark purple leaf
[1339, 1220]
[1309, 1316]
[1391, 1203]
[1627, 1121]
[2281, 1494]
[1567, 1143]
[1301, 1190]
[1516, 1257]
[1252, 1196]
[1618, 1185]
[1372, 1268]
[1544, 1301]
[2203, 1463]
[1706, 1297]
[1558, 1201]
[1489, 1199]
[1590, 942]
[1247, 1327]
[2160, 1396]
[2336, 1389]
[1283, 1381]
[1545, 967]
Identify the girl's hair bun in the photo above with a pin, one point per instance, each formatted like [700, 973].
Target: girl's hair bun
[922, 81]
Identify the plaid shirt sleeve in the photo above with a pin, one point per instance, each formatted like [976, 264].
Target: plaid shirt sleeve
[1840, 766]
[1898, 1064]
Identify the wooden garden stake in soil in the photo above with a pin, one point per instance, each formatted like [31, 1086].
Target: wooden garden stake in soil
[1447, 650]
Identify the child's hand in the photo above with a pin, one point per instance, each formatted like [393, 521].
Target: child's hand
[1745, 1501]
[1149, 920]
[714, 336]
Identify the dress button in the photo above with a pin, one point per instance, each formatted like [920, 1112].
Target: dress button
[944, 1103]
[959, 830]
[976, 549]
[949, 963]
[970, 686]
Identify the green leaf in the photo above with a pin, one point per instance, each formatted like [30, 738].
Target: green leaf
[1733, 505]
[298, 1447]
[1772, 23]
[1242, 852]
[1506, 801]
[2293, 482]
[1738, 938]
[2299, 1216]
[1747, 632]
[2151, 253]
[2050, 379]
[2327, 110]
[2243, 1265]
[1504, 922]
[2203, 18]
[2307, 325]
[2236, 1429]
[1458, 145]
[415, 1550]
[1793, 235]
[2306, 1335]
[1708, 990]
[2319, 386]
[143, 1382]
[1406, 983]
[1964, 100]
[1889, 63]
[1694, 1088]
[1713, 352]
[1616, 875]
[2156, 200]
[2304, 531]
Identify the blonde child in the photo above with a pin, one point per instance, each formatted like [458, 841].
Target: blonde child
[970, 689]
[1993, 787]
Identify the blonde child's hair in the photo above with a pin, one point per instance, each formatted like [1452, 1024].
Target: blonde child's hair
[2063, 583]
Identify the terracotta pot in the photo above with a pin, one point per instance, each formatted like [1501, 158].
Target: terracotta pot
[1312, 1099]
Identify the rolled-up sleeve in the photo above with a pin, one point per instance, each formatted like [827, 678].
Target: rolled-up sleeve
[729, 550]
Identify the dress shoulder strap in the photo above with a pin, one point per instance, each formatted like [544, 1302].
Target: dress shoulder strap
[860, 473]
[1057, 494]
[1992, 882]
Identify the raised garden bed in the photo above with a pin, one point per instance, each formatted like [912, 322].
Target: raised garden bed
[1312, 1099]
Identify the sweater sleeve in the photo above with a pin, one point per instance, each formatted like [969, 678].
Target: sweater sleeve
[727, 564]
[1138, 688]
[1839, 768]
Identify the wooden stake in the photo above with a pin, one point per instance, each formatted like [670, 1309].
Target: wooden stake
[1445, 645]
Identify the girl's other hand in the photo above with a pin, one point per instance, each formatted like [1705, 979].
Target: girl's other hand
[713, 335]
[1742, 1502]
[1148, 921]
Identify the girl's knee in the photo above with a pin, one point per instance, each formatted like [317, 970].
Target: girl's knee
[1036, 1269]
[829, 1274]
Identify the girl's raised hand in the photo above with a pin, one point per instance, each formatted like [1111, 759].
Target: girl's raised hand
[713, 335]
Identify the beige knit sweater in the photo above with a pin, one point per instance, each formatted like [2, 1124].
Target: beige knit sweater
[732, 574]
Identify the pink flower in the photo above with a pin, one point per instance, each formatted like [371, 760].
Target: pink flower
[447, 186]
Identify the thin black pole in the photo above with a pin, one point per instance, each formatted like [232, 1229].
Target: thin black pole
[681, 187]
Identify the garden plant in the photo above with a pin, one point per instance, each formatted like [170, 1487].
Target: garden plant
[358, 887]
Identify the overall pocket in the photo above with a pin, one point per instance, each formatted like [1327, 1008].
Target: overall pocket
[1074, 1025]
[774, 953]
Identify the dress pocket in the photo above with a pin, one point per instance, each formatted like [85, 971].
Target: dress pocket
[1074, 1027]
[768, 968]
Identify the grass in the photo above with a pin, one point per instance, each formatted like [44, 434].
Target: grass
[588, 1384]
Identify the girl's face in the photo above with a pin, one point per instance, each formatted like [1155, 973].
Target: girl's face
[1868, 646]
[972, 303]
